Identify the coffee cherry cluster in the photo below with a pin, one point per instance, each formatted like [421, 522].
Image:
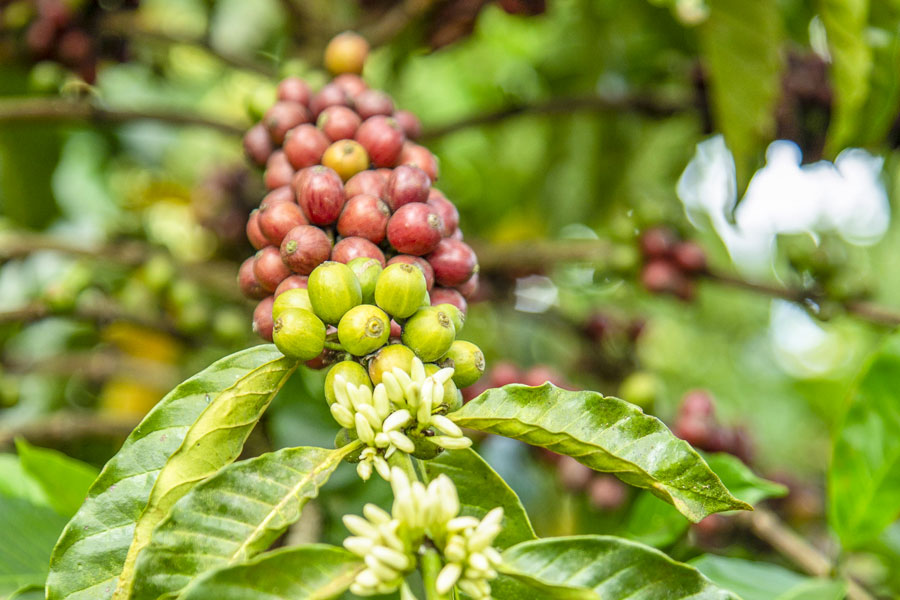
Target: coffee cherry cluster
[671, 265]
[345, 181]
[697, 424]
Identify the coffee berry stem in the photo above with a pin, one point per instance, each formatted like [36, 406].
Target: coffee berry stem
[334, 346]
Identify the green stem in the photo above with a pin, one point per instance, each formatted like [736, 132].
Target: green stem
[334, 346]
[431, 566]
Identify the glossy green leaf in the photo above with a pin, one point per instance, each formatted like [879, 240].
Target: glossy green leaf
[653, 522]
[64, 480]
[91, 552]
[480, 490]
[741, 481]
[741, 46]
[28, 532]
[313, 572]
[611, 567]
[15, 482]
[606, 434]
[28, 592]
[754, 580]
[864, 477]
[232, 516]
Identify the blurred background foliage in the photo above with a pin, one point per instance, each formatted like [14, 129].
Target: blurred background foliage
[123, 196]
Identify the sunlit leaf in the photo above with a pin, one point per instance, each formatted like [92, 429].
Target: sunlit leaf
[65, 480]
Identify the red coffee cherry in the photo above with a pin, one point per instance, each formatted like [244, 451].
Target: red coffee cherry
[269, 268]
[321, 195]
[284, 116]
[573, 475]
[697, 403]
[258, 145]
[419, 156]
[262, 318]
[279, 171]
[304, 146]
[660, 276]
[606, 492]
[373, 102]
[396, 330]
[541, 374]
[291, 283]
[353, 247]
[454, 263]
[419, 262]
[364, 216]
[247, 280]
[75, 47]
[382, 138]
[352, 84]
[407, 184]
[371, 183]
[505, 373]
[330, 95]
[276, 220]
[294, 89]
[446, 209]
[690, 257]
[409, 123]
[339, 123]
[257, 239]
[304, 248]
[442, 295]
[469, 288]
[658, 242]
[276, 196]
[414, 229]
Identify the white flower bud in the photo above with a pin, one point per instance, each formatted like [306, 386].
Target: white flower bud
[388, 556]
[382, 440]
[396, 420]
[368, 411]
[384, 572]
[417, 372]
[443, 376]
[364, 430]
[376, 514]
[451, 443]
[343, 416]
[359, 545]
[340, 392]
[402, 377]
[364, 470]
[393, 388]
[446, 425]
[402, 442]
[360, 526]
[460, 523]
[380, 401]
[447, 578]
[382, 467]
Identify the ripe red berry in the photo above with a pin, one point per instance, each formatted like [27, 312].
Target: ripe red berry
[304, 248]
[660, 276]
[257, 239]
[284, 116]
[262, 318]
[373, 102]
[469, 288]
[454, 262]
[694, 430]
[446, 209]
[277, 219]
[690, 257]
[442, 295]
[409, 123]
[247, 280]
[352, 84]
[257, 144]
[353, 247]
[366, 182]
[419, 156]
[364, 216]
[279, 171]
[396, 330]
[282, 194]
[420, 262]
[382, 138]
[697, 403]
[338, 123]
[407, 184]
[330, 95]
[414, 228]
[658, 242]
[269, 268]
[606, 492]
[304, 146]
[294, 89]
[321, 195]
[291, 283]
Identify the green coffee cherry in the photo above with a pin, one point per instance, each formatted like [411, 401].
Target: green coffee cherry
[367, 271]
[455, 315]
[333, 290]
[364, 329]
[296, 298]
[353, 372]
[400, 290]
[299, 334]
[395, 355]
[429, 333]
[346, 436]
[467, 361]
[452, 396]
[425, 448]
[641, 388]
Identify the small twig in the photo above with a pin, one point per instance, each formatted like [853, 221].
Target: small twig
[68, 426]
[538, 254]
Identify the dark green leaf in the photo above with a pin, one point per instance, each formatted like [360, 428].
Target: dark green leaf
[741, 481]
[654, 522]
[314, 572]
[65, 480]
[606, 434]
[764, 581]
[611, 567]
[28, 533]
[232, 516]
[91, 552]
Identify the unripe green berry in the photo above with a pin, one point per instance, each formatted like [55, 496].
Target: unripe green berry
[353, 372]
[296, 298]
[367, 271]
[364, 329]
[467, 361]
[400, 290]
[299, 334]
[455, 315]
[333, 290]
[346, 436]
[452, 396]
[429, 333]
[395, 355]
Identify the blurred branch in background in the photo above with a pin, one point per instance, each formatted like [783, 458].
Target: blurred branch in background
[99, 366]
[68, 426]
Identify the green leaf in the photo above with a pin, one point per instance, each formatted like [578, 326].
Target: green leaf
[606, 434]
[15, 482]
[313, 572]
[28, 533]
[741, 46]
[480, 490]
[232, 516]
[845, 24]
[611, 567]
[864, 477]
[754, 580]
[28, 592]
[654, 522]
[741, 481]
[64, 480]
[91, 552]
[883, 99]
